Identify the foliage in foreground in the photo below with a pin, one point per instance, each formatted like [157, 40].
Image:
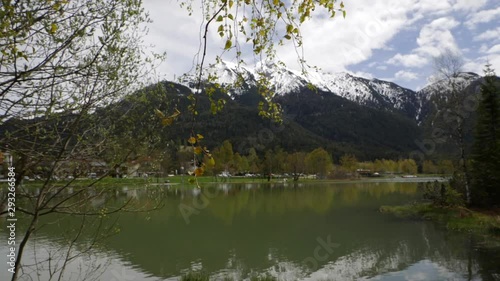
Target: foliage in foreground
[486, 149]
[445, 194]
[455, 218]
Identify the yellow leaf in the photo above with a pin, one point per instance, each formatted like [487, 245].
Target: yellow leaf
[167, 121]
[175, 114]
[200, 137]
[198, 172]
[198, 150]
[211, 161]
[192, 140]
[159, 113]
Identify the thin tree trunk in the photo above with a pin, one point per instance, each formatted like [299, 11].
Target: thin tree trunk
[464, 168]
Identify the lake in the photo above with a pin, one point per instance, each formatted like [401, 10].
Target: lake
[292, 231]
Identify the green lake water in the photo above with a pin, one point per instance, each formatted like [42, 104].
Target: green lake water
[290, 231]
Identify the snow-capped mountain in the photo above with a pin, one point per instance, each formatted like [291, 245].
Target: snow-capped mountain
[459, 82]
[224, 73]
[442, 87]
[370, 92]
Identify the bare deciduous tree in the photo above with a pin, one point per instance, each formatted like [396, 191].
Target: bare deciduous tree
[60, 62]
[452, 104]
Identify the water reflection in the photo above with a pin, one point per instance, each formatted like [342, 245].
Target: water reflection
[243, 230]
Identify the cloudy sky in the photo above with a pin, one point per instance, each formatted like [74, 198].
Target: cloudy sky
[393, 40]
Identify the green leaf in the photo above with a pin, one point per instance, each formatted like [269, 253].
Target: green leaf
[288, 37]
[211, 161]
[230, 16]
[53, 28]
[344, 13]
[289, 28]
[219, 18]
[228, 44]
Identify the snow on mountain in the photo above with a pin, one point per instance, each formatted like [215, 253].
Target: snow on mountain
[282, 79]
[224, 73]
[443, 86]
[371, 92]
[461, 81]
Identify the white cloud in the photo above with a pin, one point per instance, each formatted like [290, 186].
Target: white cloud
[406, 75]
[425, 9]
[468, 5]
[482, 17]
[411, 60]
[179, 34]
[363, 74]
[484, 48]
[432, 6]
[338, 44]
[445, 23]
[436, 37]
[175, 32]
[495, 49]
[477, 65]
[334, 45]
[491, 34]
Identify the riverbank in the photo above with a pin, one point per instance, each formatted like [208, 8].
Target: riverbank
[189, 181]
[484, 222]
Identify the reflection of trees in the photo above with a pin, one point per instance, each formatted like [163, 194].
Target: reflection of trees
[278, 199]
[271, 201]
[275, 228]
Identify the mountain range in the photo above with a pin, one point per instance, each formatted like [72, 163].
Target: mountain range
[373, 93]
[370, 118]
[342, 113]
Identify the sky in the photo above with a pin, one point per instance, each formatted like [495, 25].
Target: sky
[393, 40]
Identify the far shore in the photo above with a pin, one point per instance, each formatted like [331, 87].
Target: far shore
[186, 180]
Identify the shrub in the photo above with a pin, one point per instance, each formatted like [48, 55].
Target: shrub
[443, 194]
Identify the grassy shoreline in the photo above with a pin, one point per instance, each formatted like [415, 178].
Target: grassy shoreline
[188, 181]
[484, 222]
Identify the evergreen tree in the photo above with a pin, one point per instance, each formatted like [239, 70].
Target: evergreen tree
[486, 149]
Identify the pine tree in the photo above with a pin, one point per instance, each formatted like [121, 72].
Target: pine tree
[486, 149]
